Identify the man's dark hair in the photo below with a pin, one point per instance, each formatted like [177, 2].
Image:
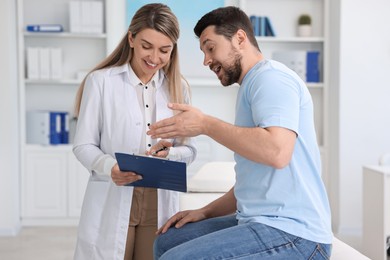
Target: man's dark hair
[227, 21]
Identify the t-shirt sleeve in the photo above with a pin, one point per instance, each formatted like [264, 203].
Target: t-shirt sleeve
[275, 100]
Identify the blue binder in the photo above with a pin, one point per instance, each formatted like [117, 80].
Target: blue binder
[64, 127]
[156, 172]
[261, 20]
[269, 31]
[312, 66]
[44, 28]
[55, 127]
[255, 20]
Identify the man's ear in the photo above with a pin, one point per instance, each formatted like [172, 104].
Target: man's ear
[241, 37]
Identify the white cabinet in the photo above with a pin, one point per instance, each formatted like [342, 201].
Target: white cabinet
[53, 181]
[44, 184]
[284, 19]
[53, 186]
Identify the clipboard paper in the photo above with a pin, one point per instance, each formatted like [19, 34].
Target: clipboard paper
[156, 172]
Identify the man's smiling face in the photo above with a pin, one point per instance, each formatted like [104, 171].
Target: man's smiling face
[221, 56]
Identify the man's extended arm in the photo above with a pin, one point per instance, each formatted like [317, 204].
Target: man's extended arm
[272, 146]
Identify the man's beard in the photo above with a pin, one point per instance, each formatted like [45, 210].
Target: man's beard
[233, 71]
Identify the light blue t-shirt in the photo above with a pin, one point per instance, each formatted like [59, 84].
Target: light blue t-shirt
[292, 199]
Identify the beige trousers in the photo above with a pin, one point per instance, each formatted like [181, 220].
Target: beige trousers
[142, 224]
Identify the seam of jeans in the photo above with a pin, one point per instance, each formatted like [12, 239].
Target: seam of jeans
[262, 252]
[250, 253]
[285, 245]
[295, 242]
[319, 250]
[323, 252]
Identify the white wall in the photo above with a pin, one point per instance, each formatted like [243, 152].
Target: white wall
[364, 107]
[359, 99]
[220, 102]
[116, 28]
[9, 134]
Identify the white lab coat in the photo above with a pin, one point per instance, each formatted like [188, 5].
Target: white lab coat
[110, 121]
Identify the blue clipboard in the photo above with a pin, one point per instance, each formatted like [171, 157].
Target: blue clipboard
[156, 172]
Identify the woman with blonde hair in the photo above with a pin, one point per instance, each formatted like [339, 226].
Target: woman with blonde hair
[116, 103]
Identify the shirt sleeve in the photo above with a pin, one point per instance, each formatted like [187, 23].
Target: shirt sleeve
[183, 149]
[86, 145]
[275, 101]
[183, 152]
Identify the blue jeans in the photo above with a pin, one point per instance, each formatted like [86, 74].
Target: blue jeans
[223, 238]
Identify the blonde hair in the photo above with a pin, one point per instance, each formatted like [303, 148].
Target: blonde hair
[158, 17]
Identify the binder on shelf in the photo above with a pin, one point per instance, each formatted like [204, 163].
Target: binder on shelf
[255, 24]
[64, 127]
[86, 16]
[44, 28]
[75, 16]
[261, 22]
[97, 17]
[156, 172]
[55, 127]
[55, 63]
[43, 127]
[32, 63]
[269, 30]
[312, 66]
[44, 63]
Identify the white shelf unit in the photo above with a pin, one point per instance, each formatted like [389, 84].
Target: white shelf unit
[53, 186]
[283, 15]
[53, 182]
[376, 211]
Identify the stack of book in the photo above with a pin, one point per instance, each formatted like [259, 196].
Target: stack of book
[44, 63]
[86, 16]
[262, 25]
[304, 63]
[47, 127]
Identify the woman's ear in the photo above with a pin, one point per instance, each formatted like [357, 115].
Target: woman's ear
[130, 39]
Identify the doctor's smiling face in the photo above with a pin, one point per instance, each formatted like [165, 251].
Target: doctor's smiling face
[151, 52]
[221, 55]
